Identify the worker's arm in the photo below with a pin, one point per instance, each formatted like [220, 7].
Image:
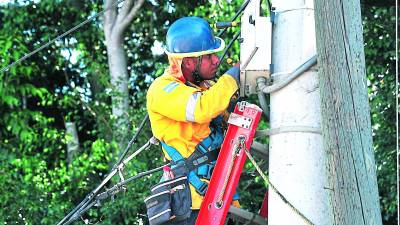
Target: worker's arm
[215, 100]
[180, 102]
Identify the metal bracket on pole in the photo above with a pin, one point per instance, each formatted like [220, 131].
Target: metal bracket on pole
[255, 48]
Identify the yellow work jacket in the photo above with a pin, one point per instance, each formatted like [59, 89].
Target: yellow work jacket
[180, 115]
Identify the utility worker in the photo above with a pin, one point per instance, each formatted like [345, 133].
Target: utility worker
[181, 104]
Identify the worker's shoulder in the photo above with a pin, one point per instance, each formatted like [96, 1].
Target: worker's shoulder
[162, 82]
[166, 78]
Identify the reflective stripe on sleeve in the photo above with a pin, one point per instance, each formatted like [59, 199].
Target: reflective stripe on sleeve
[191, 106]
[170, 87]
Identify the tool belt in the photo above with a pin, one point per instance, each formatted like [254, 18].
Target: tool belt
[171, 199]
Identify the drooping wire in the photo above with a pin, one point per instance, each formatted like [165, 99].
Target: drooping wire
[60, 36]
[269, 5]
[115, 189]
[235, 37]
[228, 47]
[87, 202]
[241, 9]
[132, 141]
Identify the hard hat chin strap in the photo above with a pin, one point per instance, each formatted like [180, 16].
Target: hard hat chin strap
[196, 73]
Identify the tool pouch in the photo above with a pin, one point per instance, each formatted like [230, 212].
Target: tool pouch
[170, 201]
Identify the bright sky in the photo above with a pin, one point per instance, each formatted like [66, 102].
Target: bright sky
[3, 2]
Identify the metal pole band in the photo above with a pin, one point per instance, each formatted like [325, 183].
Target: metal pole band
[295, 9]
[288, 129]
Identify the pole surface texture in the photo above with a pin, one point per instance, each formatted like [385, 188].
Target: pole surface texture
[297, 160]
[346, 122]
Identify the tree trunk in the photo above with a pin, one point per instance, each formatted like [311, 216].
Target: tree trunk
[120, 93]
[346, 125]
[72, 140]
[97, 88]
[116, 21]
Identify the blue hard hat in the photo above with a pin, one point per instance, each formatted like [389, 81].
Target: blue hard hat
[192, 37]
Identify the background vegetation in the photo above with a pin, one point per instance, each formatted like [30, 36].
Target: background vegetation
[69, 82]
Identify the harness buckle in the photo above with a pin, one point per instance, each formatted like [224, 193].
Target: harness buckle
[200, 160]
[202, 190]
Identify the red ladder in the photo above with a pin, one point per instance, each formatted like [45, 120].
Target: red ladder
[264, 206]
[243, 123]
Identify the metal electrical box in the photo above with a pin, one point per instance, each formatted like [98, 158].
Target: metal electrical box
[255, 47]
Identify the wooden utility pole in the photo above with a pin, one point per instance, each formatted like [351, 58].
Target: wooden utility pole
[296, 164]
[346, 125]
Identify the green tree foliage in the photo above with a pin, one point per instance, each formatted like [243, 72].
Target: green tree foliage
[68, 82]
[380, 42]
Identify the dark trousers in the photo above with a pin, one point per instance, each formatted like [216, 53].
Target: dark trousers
[189, 221]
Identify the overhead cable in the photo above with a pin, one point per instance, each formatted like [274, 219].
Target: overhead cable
[60, 36]
[241, 9]
[76, 212]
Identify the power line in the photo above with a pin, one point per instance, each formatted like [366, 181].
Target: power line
[59, 37]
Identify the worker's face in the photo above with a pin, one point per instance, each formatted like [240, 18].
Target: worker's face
[207, 69]
[209, 66]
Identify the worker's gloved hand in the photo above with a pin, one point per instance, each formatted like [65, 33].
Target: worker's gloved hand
[232, 102]
[235, 72]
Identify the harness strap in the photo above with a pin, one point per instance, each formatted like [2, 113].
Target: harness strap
[172, 152]
[201, 149]
[192, 163]
[201, 162]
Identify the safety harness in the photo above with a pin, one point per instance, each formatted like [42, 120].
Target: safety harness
[209, 148]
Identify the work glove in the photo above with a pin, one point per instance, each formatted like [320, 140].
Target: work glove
[235, 73]
[233, 101]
